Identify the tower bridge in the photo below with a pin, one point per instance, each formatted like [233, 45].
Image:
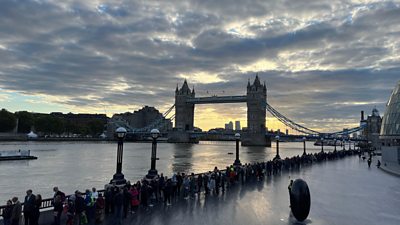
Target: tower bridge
[256, 99]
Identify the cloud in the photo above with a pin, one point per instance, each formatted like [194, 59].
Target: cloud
[88, 55]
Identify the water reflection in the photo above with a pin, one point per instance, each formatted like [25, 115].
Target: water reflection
[183, 158]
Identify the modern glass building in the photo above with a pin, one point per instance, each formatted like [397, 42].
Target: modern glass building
[390, 133]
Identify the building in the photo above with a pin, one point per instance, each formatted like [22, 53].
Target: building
[146, 116]
[237, 126]
[373, 127]
[390, 133]
[229, 126]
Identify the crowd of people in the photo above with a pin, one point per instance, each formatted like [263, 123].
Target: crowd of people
[118, 202]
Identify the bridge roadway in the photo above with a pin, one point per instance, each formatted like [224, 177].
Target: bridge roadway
[217, 99]
[343, 191]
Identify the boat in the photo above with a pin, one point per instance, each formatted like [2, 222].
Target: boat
[16, 155]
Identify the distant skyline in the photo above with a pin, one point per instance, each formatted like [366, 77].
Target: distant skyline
[323, 61]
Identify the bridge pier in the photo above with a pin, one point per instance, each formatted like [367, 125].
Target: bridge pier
[177, 136]
[255, 139]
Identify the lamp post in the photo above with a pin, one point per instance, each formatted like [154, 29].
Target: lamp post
[322, 144]
[334, 142]
[344, 144]
[277, 147]
[237, 161]
[118, 178]
[155, 133]
[304, 146]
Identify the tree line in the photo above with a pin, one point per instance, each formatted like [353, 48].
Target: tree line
[48, 124]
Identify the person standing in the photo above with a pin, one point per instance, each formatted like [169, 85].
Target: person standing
[95, 194]
[99, 208]
[127, 201]
[144, 194]
[57, 210]
[16, 212]
[290, 192]
[168, 192]
[108, 198]
[90, 206]
[79, 207]
[135, 199]
[7, 213]
[118, 201]
[199, 183]
[179, 180]
[38, 204]
[29, 208]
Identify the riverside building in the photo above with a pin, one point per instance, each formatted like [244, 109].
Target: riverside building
[390, 133]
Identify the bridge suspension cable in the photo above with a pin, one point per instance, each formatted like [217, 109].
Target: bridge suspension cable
[290, 123]
[302, 129]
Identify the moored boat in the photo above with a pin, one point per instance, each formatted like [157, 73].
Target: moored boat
[16, 155]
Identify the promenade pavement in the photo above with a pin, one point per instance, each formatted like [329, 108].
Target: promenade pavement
[343, 191]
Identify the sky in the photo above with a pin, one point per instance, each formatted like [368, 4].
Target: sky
[323, 61]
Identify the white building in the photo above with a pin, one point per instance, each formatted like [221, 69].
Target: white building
[390, 133]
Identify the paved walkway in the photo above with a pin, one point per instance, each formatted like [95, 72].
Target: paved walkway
[344, 191]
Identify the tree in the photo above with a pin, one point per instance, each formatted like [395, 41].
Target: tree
[7, 121]
[96, 127]
[25, 121]
[49, 124]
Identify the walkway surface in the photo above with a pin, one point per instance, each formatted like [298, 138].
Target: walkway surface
[343, 191]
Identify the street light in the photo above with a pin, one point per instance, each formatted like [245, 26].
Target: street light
[277, 147]
[322, 144]
[334, 142]
[118, 178]
[237, 161]
[304, 145]
[344, 144]
[155, 133]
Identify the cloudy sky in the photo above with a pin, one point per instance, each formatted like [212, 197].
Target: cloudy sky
[322, 61]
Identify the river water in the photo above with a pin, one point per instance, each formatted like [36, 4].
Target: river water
[80, 165]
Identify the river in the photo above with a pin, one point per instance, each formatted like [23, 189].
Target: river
[80, 165]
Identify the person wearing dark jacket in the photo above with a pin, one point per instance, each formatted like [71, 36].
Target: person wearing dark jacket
[108, 194]
[58, 208]
[38, 204]
[79, 206]
[127, 201]
[199, 183]
[118, 204]
[16, 212]
[29, 208]
[144, 194]
[7, 212]
[168, 192]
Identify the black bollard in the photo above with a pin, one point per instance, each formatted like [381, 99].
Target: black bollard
[300, 199]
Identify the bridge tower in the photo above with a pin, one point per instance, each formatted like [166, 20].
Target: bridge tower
[184, 111]
[256, 114]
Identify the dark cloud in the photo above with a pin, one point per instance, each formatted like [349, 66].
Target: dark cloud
[329, 59]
